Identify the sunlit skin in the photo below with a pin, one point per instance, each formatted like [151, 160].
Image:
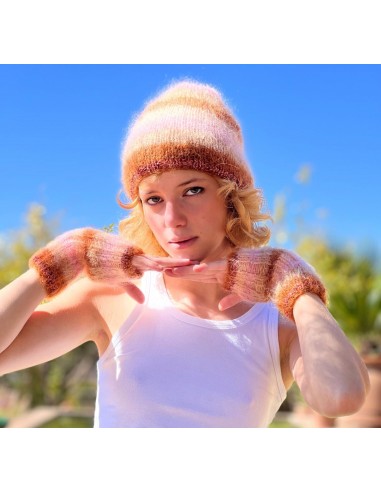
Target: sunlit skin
[188, 219]
[181, 205]
[184, 205]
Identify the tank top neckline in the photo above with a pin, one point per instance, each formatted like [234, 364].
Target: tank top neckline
[175, 312]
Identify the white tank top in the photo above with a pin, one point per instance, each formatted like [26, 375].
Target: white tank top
[166, 368]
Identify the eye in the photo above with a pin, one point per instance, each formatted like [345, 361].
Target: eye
[153, 200]
[196, 190]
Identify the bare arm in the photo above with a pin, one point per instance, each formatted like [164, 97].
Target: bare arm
[331, 375]
[18, 300]
[31, 333]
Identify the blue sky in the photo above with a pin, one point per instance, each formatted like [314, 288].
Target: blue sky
[61, 128]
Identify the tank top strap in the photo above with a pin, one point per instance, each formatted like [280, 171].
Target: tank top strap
[154, 290]
[273, 341]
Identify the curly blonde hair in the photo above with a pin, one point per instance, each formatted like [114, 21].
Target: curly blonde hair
[242, 227]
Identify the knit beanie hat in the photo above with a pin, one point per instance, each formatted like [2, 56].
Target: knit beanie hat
[187, 126]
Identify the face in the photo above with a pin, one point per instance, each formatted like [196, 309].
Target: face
[186, 215]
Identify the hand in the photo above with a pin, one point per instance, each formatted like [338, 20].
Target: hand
[271, 274]
[213, 272]
[102, 256]
[110, 258]
[145, 263]
[259, 275]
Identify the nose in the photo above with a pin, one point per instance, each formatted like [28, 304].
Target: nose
[173, 215]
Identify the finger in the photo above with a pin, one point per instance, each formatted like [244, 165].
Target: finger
[189, 274]
[145, 262]
[205, 268]
[172, 262]
[134, 292]
[194, 278]
[201, 267]
[228, 301]
[181, 271]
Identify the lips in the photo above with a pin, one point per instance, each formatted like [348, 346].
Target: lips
[182, 243]
[176, 241]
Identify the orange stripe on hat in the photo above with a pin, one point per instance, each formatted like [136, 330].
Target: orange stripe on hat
[187, 126]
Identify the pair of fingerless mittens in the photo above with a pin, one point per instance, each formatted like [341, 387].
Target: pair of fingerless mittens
[271, 274]
[101, 255]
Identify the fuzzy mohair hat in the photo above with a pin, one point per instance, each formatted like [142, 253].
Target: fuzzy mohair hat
[187, 126]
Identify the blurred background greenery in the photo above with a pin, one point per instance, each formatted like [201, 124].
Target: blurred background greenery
[353, 279]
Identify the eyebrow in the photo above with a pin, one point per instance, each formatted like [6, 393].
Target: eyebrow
[185, 183]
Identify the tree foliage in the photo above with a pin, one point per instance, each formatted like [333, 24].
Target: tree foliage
[16, 247]
[353, 279]
[353, 283]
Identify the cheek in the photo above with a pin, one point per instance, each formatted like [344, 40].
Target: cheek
[223, 222]
[214, 216]
[152, 220]
[223, 219]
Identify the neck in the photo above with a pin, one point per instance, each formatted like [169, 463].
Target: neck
[201, 299]
[184, 290]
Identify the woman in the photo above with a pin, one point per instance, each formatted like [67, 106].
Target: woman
[197, 324]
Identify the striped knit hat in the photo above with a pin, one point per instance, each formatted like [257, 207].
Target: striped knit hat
[187, 126]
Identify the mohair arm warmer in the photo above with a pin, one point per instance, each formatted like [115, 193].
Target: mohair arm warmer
[270, 274]
[102, 256]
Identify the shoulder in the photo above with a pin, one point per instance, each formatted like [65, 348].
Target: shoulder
[83, 294]
[110, 305]
[97, 308]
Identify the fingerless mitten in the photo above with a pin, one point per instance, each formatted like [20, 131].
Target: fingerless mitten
[270, 274]
[101, 255]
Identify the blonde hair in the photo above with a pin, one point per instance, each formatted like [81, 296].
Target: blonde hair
[242, 226]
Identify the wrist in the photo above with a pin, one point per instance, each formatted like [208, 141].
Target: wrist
[32, 282]
[263, 274]
[109, 258]
[248, 272]
[60, 261]
[304, 304]
[293, 294]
